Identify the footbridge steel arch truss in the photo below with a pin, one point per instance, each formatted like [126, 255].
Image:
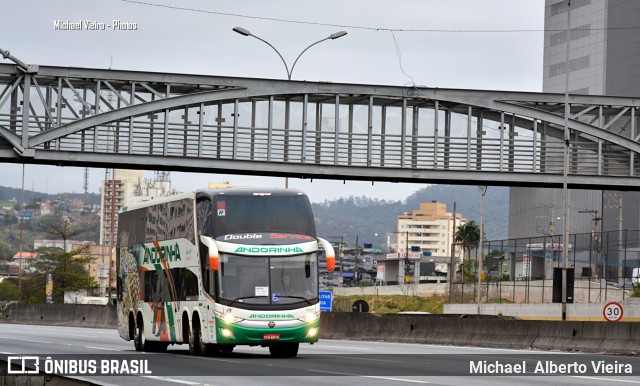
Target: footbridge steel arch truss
[129, 119]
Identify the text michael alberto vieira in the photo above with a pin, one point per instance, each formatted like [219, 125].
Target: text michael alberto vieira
[550, 367]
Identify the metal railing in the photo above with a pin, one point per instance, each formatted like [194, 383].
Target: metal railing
[605, 264]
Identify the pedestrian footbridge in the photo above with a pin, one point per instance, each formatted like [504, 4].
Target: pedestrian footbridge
[167, 121]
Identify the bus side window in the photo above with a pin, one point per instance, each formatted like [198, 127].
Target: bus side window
[204, 215]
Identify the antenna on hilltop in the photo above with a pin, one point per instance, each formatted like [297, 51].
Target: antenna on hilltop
[85, 183]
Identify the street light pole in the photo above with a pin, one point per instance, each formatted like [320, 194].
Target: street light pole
[565, 171]
[245, 32]
[333, 36]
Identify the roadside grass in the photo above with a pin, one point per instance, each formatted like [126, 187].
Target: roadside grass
[392, 304]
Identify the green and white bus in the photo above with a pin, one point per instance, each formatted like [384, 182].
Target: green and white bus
[218, 268]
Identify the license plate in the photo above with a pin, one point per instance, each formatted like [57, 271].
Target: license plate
[271, 336]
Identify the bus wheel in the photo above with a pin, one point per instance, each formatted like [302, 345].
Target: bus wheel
[209, 349]
[139, 341]
[194, 340]
[284, 350]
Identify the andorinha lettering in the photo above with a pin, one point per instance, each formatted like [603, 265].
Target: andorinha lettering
[153, 255]
[269, 250]
[271, 316]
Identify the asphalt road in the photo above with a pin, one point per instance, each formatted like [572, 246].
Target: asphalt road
[326, 363]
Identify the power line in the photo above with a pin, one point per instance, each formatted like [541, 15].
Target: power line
[292, 21]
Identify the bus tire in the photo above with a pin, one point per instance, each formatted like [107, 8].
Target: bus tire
[139, 340]
[284, 350]
[194, 338]
[209, 349]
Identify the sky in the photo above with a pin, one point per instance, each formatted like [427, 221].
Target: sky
[466, 44]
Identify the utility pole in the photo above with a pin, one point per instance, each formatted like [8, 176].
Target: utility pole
[483, 191]
[355, 275]
[21, 237]
[340, 253]
[617, 199]
[85, 186]
[452, 263]
[565, 170]
[620, 260]
[594, 234]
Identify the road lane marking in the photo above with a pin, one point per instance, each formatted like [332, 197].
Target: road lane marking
[604, 379]
[347, 347]
[101, 348]
[210, 358]
[365, 359]
[28, 340]
[369, 376]
[171, 380]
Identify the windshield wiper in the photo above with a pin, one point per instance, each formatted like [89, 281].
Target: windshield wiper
[297, 297]
[244, 297]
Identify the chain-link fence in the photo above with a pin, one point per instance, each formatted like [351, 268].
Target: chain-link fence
[606, 265]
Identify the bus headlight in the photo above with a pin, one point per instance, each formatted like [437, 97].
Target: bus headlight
[226, 333]
[228, 317]
[312, 332]
[308, 318]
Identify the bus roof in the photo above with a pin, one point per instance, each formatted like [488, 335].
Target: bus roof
[249, 191]
[159, 200]
[243, 191]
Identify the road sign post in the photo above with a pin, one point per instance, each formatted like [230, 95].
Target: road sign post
[612, 312]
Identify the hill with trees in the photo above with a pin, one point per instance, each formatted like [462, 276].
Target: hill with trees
[363, 217]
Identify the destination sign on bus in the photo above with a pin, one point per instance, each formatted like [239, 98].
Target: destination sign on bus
[266, 238]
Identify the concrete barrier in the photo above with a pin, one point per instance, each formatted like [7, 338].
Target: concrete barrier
[77, 315]
[621, 337]
[459, 330]
[590, 312]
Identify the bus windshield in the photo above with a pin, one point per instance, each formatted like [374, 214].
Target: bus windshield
[235, 214]
[268, 280]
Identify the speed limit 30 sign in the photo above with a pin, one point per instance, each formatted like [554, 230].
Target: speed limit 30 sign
[612, 312]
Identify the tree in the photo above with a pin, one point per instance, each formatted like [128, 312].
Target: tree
[68, 270]
[5, 251]
[60, 227]
[9, 291]
[468, 235]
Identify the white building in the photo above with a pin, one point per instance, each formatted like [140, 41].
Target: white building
[431, 228]
[67, 246]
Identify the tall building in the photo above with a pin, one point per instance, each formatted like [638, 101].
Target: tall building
[124, 188]
[116, 193]
[604, 59]
[430, 228]
[102, 269]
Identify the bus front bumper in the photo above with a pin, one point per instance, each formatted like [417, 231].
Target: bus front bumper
[230, 333]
